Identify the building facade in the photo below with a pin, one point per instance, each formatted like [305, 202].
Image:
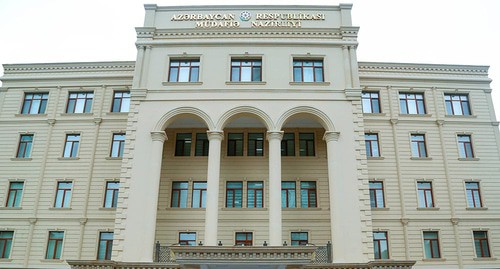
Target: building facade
[248, 137]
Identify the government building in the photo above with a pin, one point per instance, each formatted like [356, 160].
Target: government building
[248, 137]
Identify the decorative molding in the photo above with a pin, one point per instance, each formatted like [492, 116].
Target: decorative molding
[159, 136]
[215, 135]
[422, 68]
[331, 136]
[405, 221]
[51, 122]
[353, 93]
[68, 67]
[272, 135]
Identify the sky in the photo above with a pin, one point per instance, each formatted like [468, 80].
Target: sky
[414, 31]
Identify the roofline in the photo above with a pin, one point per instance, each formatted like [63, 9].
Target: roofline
[238, 7]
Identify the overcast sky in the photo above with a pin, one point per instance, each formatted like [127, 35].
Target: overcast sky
[423, 31]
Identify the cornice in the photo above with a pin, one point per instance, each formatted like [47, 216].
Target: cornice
[249, 7]
[422, 68]
[69, 67]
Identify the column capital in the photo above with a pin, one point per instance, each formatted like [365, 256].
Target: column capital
[215, 135]
[272, 135]
[331, 136]
[159, 136]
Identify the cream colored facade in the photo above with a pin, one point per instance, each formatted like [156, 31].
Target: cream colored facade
[217, 104]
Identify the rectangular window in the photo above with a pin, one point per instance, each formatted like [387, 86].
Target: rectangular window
[35, 103]
[306, 144]
[299, 239]
[308, 194]
[243, 239]
[80, 102]
[255, 194]
[418, 148]
[481, 244]
[288, 144]
[234, 194]
[15, 194]
[457, 104]
[184, 70]
[25, 145]
[412, 103]
[202, 144]
[63, 194]
[54, 245]
[183, 144]
[111, 194]
[118, 145]
[255, 144]
[6, 243]
[235, 144]
[199, 195]
[473, 194]
[372, 146]
[288, 196]
[425, 196]
[179, 194]
[105, 247]
[246, 70]
[308, 71]
[377, 194]
[71, 146]
[380, 245]
[371, 102]
[187, 239]
[121, 101]
[431, 245]
[465, 146]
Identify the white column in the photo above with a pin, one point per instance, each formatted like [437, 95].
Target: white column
[346, 226]
[213, 175]
[275, 230]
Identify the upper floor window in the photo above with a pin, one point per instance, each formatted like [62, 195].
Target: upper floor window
[35, 103]
[308, 194]
[465, 146]
[121, 101]
[234, 194]
[199, 195]
[481, 244]
[187, 239]
[255, 144]
[380, 245]
[243, 239]
[307, 70]
[184, 70]
[25, 145]
[299, 238]
[306, 144]
[235, 144]
[288, 144]
[457, 104]
[371, 144]
[371, 102]
[473, 194]
[5, 243]
[412, 103]
[183, 144]
[54, 245]
[111, 194]
[202, 144]
[105, 247]
[377, 194]
[418, 148]
[15, 194]
[179, 194]
[425, 196]
[80, 102]
[63, 194]
[246, 70]
[288, 195]
[118, 145]
[255, 194]
[431, 245]
[71, 146]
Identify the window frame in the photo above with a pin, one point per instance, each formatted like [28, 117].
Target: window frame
[235, 141]
[44, 101]
[234, 190]
[204, 143]
[87, 103]
[238, 242]
[285, 145]
[256, 192]
[121, 99]
[16, 194]
[186, 242]
[386, 239]
[108, 244]
[369, 143]
[252, 67]
[309, 191]
[427, 192]
[202, 194]
[65, 192]
[303, 60]
[461, 102]
[6, 252]
[431, 245]
[307, 144]
[486, 238]
[256, 144]
[462, 147]
[180, 144]
[73, 153]
[114, 194]
[59, 243]
[287, 191]
[26, 153]
[121, 145]
[420, 144]
[375, 193]
[190, 67]
[299, 242]
[407, 101]
[473, 191]
[371, 101]
[180, 191]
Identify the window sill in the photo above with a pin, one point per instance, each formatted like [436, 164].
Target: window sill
[461, 116]
[107, 208]
[114, 158]
[244, 208]
[468, 159]
[476, 208]
[51, 260]
[380, 208]
[300, 208]
[31, 115]
[374, 114]
[60, 208]
[89, 114]
[117, 113]
[428, 208]
[310, 83]
[421, 158]
[415, 115]
[485, 259]
[21, 159]
[375, 158]
[434, 259]
[11, 208]
[168, 83]
[184, 208]
[5, 260]
[68, 158]
[246, 83]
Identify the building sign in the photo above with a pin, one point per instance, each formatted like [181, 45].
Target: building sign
[258, 20]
